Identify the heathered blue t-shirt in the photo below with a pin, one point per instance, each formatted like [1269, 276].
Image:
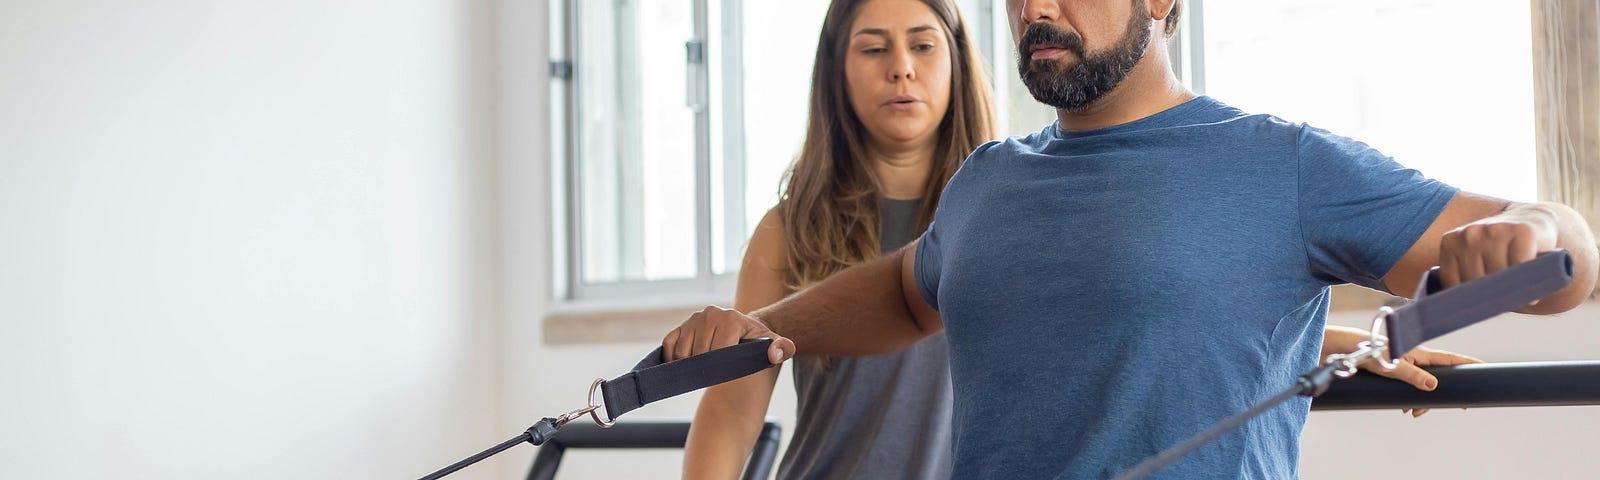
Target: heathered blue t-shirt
[1109, 293]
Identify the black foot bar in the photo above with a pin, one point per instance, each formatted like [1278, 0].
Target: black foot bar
[1530, 384]
[646, 435]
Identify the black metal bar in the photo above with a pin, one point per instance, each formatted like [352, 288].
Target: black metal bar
[1531, 384]
[644, 435]
[547, 461]
[766, 450]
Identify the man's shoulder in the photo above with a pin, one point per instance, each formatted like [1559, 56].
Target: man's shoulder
[990, 152]
[1012, 145]
[1264, 126]
[1252, 125]
[1215, 114]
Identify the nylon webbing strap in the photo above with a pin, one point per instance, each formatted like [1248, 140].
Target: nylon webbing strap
[652, 380]
[1434, 312]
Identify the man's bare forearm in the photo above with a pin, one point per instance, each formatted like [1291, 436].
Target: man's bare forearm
[859, 311]
[1572, 234]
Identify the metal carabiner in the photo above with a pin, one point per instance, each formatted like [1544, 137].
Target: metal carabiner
[595, 403]
[572, 415]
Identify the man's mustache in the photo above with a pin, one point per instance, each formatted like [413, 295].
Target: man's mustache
[1047, 34]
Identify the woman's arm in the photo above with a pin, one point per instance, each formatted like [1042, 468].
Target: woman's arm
[731, 414]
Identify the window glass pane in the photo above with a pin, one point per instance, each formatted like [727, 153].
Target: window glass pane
[780, 44]
[1443, 86]
[725, 53]
[637, 148]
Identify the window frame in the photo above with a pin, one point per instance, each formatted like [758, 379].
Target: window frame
[568, 249]
[719, 144]
[719, 71]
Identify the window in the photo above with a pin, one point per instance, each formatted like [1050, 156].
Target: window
[677, 120]
[780, 39]
[678, 117]
[1445, 87]
[631, 89]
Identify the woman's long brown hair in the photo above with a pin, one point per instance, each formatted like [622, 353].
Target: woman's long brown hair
[829, 205]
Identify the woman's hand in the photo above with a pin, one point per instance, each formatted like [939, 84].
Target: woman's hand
[1409, 369]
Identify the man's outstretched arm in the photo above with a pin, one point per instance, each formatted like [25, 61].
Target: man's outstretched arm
[1478, 235]
[870, 308]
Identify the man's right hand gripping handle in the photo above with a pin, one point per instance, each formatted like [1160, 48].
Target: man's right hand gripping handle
[717, 327]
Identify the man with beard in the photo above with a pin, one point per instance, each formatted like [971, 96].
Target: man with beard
[1153, 262]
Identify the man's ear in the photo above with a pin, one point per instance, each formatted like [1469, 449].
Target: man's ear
[1160, 9]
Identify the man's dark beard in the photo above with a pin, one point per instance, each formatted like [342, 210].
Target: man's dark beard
[1076, 87]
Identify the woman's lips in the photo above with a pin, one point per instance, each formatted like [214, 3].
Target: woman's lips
[903, 102]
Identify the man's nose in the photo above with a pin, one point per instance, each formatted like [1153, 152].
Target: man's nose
[1035, 10]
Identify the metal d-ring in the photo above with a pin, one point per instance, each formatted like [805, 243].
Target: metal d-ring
[596, 403]
[1380, 343]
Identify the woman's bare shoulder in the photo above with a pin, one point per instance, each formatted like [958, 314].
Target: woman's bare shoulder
[767, 243]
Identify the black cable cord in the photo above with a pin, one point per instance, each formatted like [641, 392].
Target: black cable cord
[536, 435]
[1310, 384]
[651, 380]
[476, 458]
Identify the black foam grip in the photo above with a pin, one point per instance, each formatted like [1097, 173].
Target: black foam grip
[653, 379]
[1436, 311]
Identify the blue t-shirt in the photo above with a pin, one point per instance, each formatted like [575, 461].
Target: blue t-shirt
[1109, 293]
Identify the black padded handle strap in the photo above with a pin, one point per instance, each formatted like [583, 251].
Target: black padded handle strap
[1437, 311]
[653, 379]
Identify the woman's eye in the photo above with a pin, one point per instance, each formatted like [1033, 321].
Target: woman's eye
[926, 47]
[873, 50]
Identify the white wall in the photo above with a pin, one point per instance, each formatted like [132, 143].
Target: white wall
[245, 239]
[523, 154]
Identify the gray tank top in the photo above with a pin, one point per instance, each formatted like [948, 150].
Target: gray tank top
[880, 416]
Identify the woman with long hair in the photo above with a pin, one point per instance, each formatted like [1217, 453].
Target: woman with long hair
[899, 98]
